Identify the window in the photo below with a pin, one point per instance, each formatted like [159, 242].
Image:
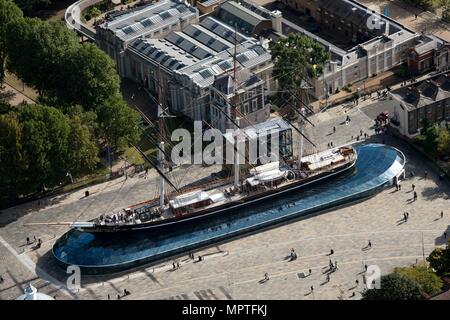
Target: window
[246, 108]
[254, 105]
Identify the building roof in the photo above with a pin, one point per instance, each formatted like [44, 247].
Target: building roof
[249, 55]
[163, 52]
[423, 93]
[207, 38]
[427, 43]
[223, 30]
[148, 18]
[244, 79]
[244, 19]
[190, 45]
[261, 129]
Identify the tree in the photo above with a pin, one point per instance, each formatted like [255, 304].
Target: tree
[297, 58]
[430, 143]
[439, 260]
[5, 98]
[9, 14]
[429, 282]
[44, 144]
[394, 287]
[28, 5]
[12, 165]
[443, 142]
[118, 123]
[89, 78]
[38, 50]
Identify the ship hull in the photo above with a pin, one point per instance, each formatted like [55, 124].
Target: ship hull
[165, 225]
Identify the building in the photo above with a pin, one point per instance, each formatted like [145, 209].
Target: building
[430, 53]
[263, 133]
[242, 97]
[426, 99]
[188, 60]
[151, 20]
[361, 42]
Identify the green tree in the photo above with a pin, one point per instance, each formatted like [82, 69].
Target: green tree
[5, 98]
[443, 142]
[118, 123]
[394, 287]
[297, 58]
[28, 5]
[9, 14]
[12, 166]
[38, 50]
[431, 135]
[429, 282]
[49, 145]
[89, 78]
[439, 260]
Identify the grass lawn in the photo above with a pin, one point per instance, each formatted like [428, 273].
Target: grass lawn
[134, 157]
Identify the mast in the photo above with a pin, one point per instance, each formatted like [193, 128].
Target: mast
[161, 156]
[300, 138]
[236, 156]
[237, 119]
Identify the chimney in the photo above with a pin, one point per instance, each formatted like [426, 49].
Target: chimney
[276, 18]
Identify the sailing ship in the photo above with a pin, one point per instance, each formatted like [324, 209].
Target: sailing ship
[249, 186]
[262, 183]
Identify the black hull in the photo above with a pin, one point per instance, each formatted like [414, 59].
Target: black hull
[165, 225]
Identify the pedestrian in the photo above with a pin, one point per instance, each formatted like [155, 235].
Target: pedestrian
[404, 216]
[425, 174]
[335, 265]
[109, 297]
[266, 277]
[442, 214]
[28, 240]
[178, 265]
[399, 187]
[312, 288]
[365, 267]
[415, 196]
[173, 265]
[413, 186]
[118, 296]
[330, 263]
[309, 271]
[357, 282]
[334, 129]
[407, 214]
[331, 251]
[370, 244]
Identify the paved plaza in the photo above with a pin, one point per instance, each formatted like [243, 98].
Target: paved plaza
[234, 269]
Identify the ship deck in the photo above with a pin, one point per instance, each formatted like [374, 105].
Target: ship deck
[319, 163]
